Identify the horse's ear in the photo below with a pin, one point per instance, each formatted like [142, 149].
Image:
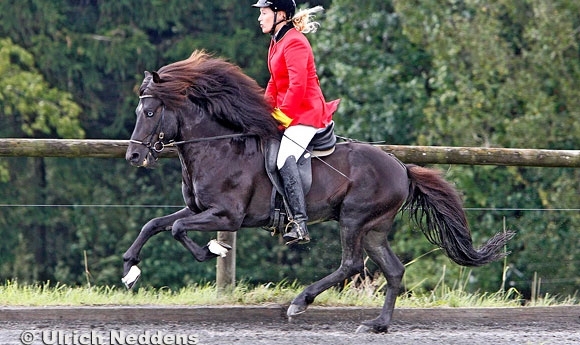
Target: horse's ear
[156, 77]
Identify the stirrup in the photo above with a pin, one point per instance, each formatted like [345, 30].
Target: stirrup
[296, 234]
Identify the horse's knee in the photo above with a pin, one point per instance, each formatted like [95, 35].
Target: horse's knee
[178, 230]
[358, 267]
[352, 267]
[397, 271]
[150, 227]
[394, 277]
[158, 223]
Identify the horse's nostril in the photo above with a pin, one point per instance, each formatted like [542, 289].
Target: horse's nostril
[134, 157]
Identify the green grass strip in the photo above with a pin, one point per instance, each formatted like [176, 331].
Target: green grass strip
[360, 295]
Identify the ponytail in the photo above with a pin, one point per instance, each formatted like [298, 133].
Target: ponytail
[302, 20]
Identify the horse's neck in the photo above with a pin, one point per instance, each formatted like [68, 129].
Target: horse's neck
[217, 153]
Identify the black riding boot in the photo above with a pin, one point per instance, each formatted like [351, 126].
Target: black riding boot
[298, 232]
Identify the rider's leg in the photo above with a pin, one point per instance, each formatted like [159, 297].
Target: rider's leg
[297, 230]
[294, 142]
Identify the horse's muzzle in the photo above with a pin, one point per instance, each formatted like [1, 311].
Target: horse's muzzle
[140, 156]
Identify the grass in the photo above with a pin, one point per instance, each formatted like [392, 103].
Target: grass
[358, 293]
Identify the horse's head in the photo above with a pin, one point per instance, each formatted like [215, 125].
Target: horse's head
[156, 126]
[206, 96]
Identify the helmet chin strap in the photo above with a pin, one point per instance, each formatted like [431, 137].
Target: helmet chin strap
[273, 30]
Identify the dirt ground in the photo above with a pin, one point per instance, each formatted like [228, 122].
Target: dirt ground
[268, 325]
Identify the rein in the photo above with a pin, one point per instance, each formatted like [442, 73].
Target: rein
[217, 137]
[159, 146]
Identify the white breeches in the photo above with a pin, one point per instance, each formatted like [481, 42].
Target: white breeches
[294, 142]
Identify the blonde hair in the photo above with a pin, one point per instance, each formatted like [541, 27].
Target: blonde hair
[302, 20]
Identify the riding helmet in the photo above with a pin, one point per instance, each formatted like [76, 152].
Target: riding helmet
[288, 6]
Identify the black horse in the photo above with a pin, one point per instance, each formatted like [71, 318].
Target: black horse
[217, 118]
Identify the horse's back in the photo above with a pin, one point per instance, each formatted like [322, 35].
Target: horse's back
[356, 161]
[359, 175]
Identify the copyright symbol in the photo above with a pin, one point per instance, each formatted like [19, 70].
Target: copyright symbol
[27, 337]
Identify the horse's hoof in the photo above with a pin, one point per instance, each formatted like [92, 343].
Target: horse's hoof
[295, 309]
[131, 277]
[364, 329]
[369, 327]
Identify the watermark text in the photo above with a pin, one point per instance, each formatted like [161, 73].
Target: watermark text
[114, 337]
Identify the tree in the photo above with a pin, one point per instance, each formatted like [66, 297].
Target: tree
[29, 107]
[445, 72]
[97, 51]
[364, 59]
[506, 74]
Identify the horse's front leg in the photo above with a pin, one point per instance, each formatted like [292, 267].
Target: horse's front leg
[208, 220]
[131, 257]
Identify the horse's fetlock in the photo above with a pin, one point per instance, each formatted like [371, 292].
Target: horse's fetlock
[130, 260]
[309, 299]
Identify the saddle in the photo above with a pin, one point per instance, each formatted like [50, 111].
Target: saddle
[322, 144]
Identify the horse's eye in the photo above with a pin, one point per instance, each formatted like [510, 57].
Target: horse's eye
[150, 113]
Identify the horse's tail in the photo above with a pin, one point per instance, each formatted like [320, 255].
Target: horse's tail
[433, 198]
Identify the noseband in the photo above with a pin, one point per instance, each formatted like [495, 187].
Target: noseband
[159, 145]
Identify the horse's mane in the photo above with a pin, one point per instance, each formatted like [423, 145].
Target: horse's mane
[218, 87]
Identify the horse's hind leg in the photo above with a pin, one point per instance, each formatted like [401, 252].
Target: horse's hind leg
[352, 263]
[378, 249]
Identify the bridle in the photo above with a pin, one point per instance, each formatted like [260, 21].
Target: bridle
[160, 145]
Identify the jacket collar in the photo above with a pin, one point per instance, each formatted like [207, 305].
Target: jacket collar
[282, 32]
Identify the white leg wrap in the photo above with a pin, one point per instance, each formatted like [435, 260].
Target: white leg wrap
[131, 277]
[217, 248]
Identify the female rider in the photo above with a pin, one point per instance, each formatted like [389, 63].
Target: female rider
[294, 92]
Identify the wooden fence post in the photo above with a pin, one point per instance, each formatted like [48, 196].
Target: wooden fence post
[226, 267]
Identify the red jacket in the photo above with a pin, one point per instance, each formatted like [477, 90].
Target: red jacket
[294, 86]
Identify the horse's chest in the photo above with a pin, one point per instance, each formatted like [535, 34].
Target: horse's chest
[188, 187]
[197, 189]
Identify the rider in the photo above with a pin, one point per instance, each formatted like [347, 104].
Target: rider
[294, 92]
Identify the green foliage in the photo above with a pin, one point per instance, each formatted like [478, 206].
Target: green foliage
[29, 105]
[364, 59]
[505, 74]
[98, 52]
[444, 72]
[501, 73]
